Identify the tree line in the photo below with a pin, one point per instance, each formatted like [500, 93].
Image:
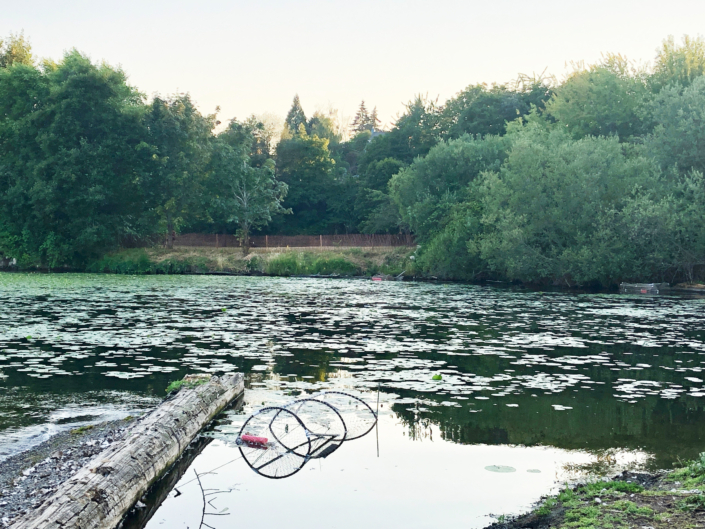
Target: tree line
[591, 180]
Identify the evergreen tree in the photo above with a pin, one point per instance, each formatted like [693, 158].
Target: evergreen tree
[362, 119]
[375, 123]
[296, 116]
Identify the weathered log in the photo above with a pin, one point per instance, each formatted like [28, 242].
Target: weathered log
[137, 518]
[99, 494]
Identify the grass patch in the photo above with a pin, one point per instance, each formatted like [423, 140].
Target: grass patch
[178, 384]
[583, 517]
[601, 487]
[547, 507]
[632, 508]
[691, 474]
[343, 262]
[696, 502]
[81, 430]
[139, 262]
[309, 263]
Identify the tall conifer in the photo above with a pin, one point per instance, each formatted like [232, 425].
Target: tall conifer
[296, 116]
[362, 119]
[375, 123]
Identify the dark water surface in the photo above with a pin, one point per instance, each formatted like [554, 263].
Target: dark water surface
[591, 379]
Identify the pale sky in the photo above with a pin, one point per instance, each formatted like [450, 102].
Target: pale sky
[252, 57]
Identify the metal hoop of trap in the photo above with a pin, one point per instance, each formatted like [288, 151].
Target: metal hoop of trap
[326, 427]
[360, 418]
[260, 442]
[277, 441]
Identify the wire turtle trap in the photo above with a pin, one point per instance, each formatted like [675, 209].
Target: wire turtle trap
[277, 441]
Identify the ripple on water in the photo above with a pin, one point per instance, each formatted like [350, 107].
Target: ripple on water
[531, 353]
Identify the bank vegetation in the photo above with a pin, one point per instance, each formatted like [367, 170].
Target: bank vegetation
[589, 180]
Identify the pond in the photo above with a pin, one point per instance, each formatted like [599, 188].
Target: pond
[553, 385]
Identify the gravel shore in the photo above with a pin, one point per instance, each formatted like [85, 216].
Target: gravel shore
[27, 479]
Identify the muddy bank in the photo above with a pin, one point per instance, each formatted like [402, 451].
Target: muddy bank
[667, 500]
[27, 479]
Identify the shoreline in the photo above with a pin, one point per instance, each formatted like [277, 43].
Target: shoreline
[313, 263]
[30, 477]
[668, 499]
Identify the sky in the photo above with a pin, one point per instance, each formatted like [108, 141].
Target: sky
[252, 57]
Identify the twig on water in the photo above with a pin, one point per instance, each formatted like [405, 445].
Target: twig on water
[211, 492]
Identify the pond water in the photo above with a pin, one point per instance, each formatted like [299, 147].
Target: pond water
[551, 384]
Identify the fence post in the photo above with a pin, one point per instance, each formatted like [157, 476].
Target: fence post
[266, 241]
[216, 240]
[320, 238]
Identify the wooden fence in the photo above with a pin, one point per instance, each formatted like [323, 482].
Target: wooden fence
[356, 240]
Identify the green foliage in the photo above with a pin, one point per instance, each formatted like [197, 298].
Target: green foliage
[692, 473]
[137, 262]
[300, 263]
[679, 64]
[546, 507]
[188, 384]
[247, 196]
[583, 517]
[632, 508]
[180, 146]
[602, 100]
[594, 180]
[597, 487]
[305, 165]
[554, 209]
[426, 191]
[296, 118]
[679, 138]
[695, 502]
[69, 141]
[82, 429]
[15, 50]
[478, 110]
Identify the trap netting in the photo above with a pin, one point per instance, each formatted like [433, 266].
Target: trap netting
[276, 442]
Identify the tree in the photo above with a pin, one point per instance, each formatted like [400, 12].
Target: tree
[296, 117]
[426, 190]
[603, 100]
[679, 138]
[15, 50]
[325, 127]
[180, 140]
[305, 164]
[375, 123]
[71, 159]
[373, 203]
[679, 64]
[550, 212]
[252, 132]
[248, 196]
[361, 121]
[482, 110]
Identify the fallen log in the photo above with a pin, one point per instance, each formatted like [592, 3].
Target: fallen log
[99, 494]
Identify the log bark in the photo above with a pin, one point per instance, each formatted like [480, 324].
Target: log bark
[99, 494]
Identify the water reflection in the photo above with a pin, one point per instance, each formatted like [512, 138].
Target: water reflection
[277, 441]
[595, 372]
[426, 482]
